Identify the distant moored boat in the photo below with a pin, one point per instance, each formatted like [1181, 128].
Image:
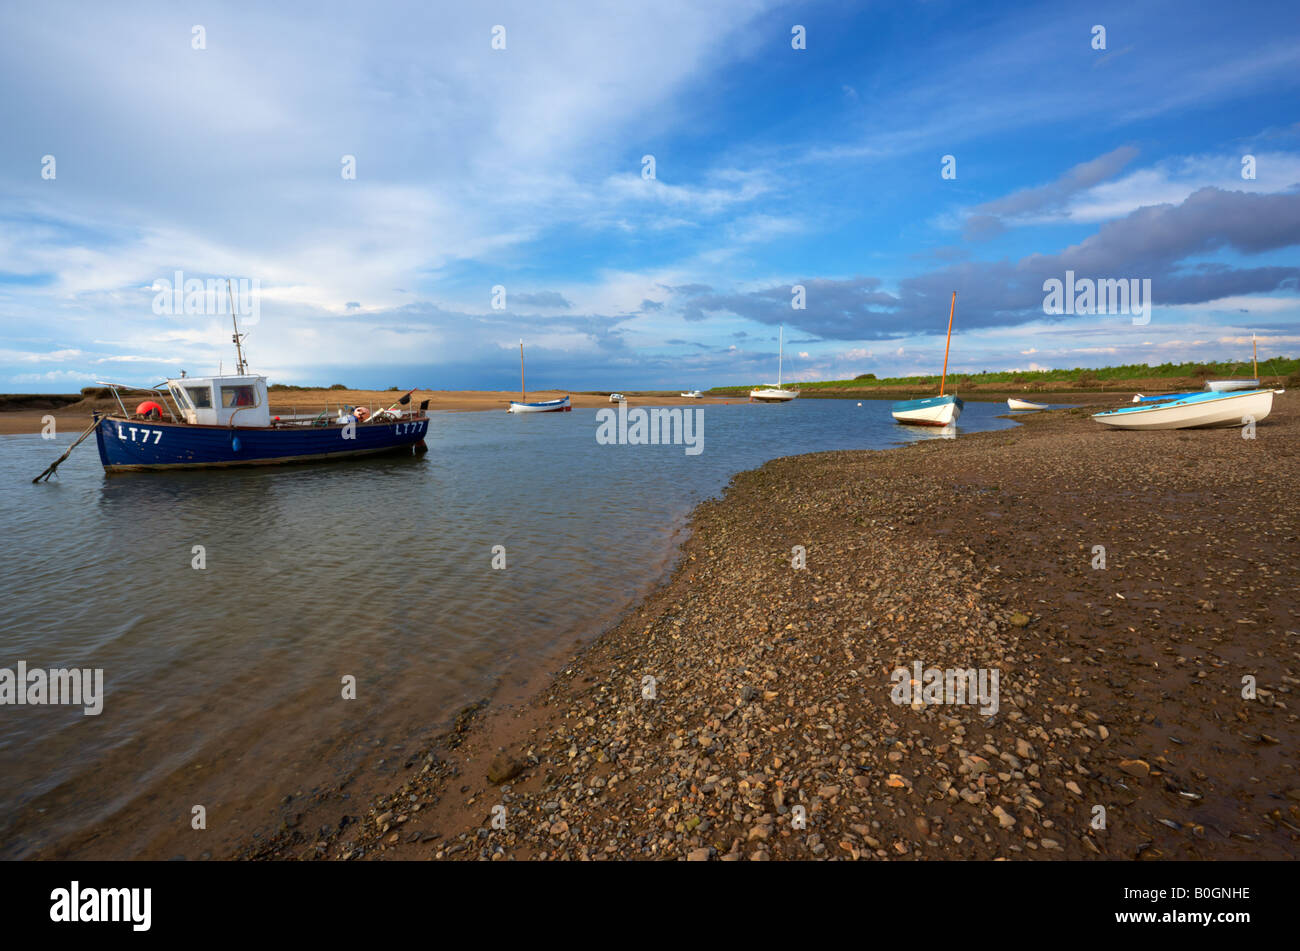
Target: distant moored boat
[1025, 404]
[770, 393]
[522, 405]
[1230, 386]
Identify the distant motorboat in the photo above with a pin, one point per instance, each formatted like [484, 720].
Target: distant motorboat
[1191, 410]
[1025, 404]
[522, 405]
[694, 395]
[617, 398]
[938, 410]
[770, 393]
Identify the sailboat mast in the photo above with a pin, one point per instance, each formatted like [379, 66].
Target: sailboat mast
[242, 368]
[780, 356]
[1254, 356]
[951, 309]
[523, 387]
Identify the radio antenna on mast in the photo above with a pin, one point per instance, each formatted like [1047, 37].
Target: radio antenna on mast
[241, 366]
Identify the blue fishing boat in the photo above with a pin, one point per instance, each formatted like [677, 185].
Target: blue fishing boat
[225, 420]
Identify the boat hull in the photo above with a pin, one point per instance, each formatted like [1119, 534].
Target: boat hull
[1025, 404]
[931, 411]
[1195, 411]
[1229, 386]
[548, 406]
[772, 395]
[136, 446]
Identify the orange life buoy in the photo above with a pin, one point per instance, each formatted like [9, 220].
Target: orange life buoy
[149, 408]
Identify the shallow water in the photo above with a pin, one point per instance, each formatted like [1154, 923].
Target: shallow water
[378, 569]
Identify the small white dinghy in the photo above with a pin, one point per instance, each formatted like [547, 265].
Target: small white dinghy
[694, 395]
[1191, 411]
[1025, 404]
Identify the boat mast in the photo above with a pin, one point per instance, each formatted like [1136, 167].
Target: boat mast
[523, 387]
[944, 379]
[241, 367]
[1254, 357]
[780, 356]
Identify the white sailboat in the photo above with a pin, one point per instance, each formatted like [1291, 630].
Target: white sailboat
[938, 410]
[522, 405]
[1229, 386]
[770, 393]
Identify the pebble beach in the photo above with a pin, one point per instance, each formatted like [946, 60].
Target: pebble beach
[1135, 593]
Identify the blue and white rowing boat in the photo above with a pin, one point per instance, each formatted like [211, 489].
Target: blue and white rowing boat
[1191, 410]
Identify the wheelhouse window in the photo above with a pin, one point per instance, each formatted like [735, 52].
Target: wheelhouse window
[232, 396]
[200, 396]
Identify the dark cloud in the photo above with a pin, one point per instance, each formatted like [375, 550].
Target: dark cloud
[1150, 243]
[986, 220]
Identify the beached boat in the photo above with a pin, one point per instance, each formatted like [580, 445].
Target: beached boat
[1191, 410]
[694, 395]
[1024, 404]
[773, 393]
[1230, 386]
[617, 398]
[522, 405]
[938, 410]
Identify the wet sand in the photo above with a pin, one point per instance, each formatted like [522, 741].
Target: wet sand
[1121, 730]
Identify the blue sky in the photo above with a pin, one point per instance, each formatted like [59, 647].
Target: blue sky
[523, 168]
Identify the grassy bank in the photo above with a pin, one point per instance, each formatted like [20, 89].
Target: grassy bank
[1278, 371]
